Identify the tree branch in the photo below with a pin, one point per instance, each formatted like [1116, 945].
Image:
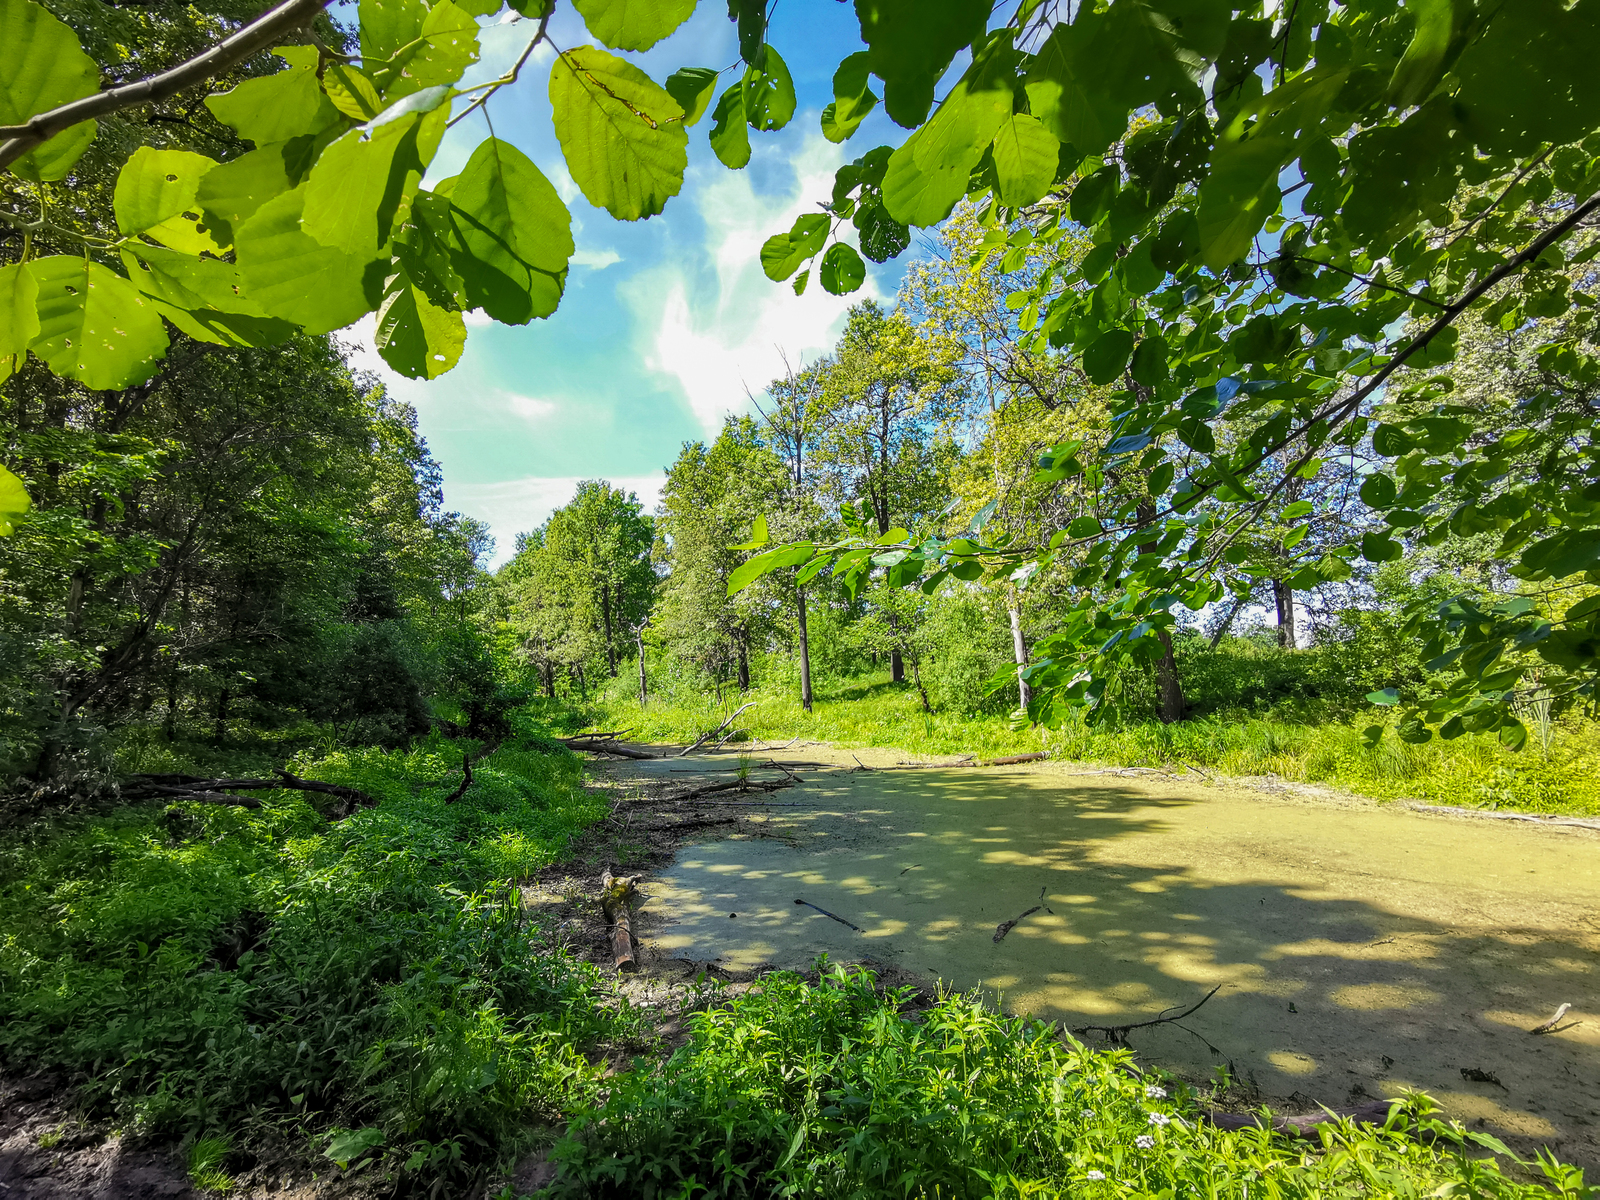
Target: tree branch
[258, 35]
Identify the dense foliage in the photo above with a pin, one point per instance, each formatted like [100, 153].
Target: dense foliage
[832, 1090]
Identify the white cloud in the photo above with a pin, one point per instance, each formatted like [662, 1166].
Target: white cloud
[599, 260]
[722, 330]
[518, 505]
[530, 408]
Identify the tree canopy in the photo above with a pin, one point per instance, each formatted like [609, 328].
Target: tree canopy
[1284, 212]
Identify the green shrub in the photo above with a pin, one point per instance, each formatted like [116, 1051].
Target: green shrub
[204, 968]
[831, 1090]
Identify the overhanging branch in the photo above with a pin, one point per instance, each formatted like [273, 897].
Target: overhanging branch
[265, 30]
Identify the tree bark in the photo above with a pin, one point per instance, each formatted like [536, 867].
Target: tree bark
[1284, 594]
[605, 612]
[222, 717]
[1227, 622]
[1019, 654]
[638, 640]
[897, 666]
[741, 641]
[1168, 685]
[583, 691]
[805, 650]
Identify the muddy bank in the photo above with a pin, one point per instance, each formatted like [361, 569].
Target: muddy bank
[1361, 950]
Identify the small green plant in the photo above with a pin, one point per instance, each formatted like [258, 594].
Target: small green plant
[205, 1163]
[50, 1138]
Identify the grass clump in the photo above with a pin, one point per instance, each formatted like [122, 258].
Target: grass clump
[833, 1090]
[209, 971]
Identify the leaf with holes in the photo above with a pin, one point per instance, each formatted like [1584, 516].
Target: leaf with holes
[730, 132]
[769, 99]
[621, 133]
[782, 254]
[842, 269]
[95, 326]
[415, 338]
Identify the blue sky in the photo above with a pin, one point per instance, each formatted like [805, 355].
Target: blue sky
[666, 322]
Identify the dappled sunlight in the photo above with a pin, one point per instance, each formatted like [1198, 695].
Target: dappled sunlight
[1343, 939]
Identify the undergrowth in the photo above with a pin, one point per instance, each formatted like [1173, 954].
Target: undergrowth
[831, 1090]
[1302, 744]
[218, 971]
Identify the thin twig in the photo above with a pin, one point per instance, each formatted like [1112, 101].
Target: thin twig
[1119, 1033]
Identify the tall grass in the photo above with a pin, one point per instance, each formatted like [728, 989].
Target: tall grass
[1475, 771]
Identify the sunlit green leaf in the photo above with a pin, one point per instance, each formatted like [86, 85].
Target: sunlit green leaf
[730, 132]
[622, 134]
[277, 107]
[42, 66]
[928, 174]
[94, 326]
[14, 502]
[1025, 159]
[853, 99]
[516, 231]
[633, 24]
[295, 277]
[692, 88]
[842, 270]
[415, 338]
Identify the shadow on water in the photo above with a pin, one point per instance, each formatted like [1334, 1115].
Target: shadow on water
[1361, 951]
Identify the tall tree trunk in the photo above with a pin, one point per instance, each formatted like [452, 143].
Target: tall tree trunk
[222, 717]
[550, 680]
[1019, 653]
[916, 673]
[1227, 621]
[638, 640]
[897, 666]
[170, 725]
[1169, 686]
[805, 650]
[583, 691]
[1284, 594]
[741, 641]
[605, 611]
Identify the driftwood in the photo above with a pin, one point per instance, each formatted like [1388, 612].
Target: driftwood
[826, 913]
[1012, 759]
[617, 894]
[1375, 1112]
[596, 735]
[731, 785]
[706, 737]
[607, 747]
[1554, 1025]
[1118, 1034]
[223, 791]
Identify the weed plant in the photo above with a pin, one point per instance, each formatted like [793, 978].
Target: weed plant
[831, 1090]
[219, 971]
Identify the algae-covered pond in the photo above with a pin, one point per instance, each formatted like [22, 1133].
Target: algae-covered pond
[1361, 949]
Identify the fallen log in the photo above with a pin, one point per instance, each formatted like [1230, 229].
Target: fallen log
[617, 894]
[706, 737]
[596, 735]
[614, 748]
[224, 791]
[1013, 759]
[1375, 1112]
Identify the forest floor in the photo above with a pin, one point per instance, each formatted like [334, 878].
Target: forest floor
[1360, 949]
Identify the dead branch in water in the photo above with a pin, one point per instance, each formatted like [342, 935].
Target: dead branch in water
[1006, 927]
[1012, 759]
[732, 785]
[1118, 1034]
[706, 737]
[826, 913]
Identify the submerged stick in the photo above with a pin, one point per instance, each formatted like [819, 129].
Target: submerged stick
[1119, 1033]
[826, 913]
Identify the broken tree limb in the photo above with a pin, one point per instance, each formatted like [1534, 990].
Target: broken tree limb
[1551, 1025]
[740, 785]
[596, 735]
[1375, 1112]
[1119, 1033]
[826, 913]
[617, 894]
[466, 780]
[1012, 759]
[615, 748]
[706, 737]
